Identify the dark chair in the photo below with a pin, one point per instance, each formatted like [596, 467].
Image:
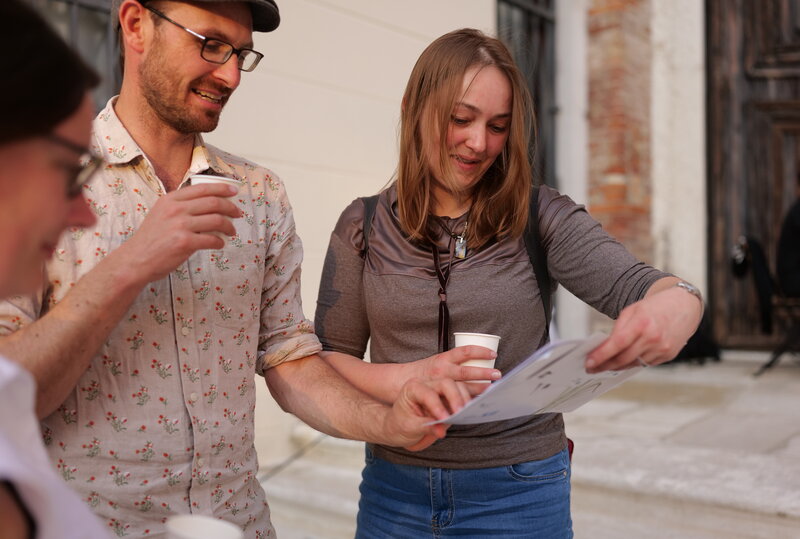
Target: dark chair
[776, 310]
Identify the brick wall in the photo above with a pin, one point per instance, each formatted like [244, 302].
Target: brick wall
[619, 57]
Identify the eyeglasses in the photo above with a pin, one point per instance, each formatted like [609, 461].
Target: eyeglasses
[91, 163]
[216, 51]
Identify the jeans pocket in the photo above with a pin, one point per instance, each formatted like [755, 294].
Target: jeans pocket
[555, 468]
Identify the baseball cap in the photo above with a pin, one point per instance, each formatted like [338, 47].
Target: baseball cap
[266, 16]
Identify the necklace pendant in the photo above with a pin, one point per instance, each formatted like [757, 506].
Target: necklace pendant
[461, 247]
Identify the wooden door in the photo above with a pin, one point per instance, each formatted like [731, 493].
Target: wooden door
[753, 76]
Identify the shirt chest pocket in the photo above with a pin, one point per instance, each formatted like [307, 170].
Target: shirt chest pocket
[227, 285]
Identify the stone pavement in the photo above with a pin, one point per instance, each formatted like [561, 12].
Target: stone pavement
[691, 451]
[681, 451]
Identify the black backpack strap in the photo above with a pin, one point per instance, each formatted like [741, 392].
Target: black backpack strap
[370, 203]
[538, 256]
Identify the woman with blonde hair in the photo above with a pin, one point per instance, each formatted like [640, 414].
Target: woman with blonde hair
[445, 252]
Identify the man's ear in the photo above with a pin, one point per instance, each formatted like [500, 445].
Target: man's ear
[131, 25]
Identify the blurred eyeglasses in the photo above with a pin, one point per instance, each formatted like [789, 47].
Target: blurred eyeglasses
[90, 164]
[217, 51]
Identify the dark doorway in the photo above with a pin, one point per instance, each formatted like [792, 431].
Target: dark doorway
[753, 76]
[86, 25]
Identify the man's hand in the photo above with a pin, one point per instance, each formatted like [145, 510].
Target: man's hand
[74, 329]
[179, 224]
[650, 331]
[421, 402]
[384, 381]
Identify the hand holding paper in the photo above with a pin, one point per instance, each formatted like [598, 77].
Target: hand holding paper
[553, 379]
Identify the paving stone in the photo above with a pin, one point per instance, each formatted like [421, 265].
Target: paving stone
[747, 432]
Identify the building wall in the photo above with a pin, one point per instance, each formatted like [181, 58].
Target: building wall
[631, 132]
[619, 57]
[572, 132]
[322, 111]
[679, 221]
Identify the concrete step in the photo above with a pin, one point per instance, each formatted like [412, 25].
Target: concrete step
[316, 496]
[688, 451]
[626, 489]
[606, 513]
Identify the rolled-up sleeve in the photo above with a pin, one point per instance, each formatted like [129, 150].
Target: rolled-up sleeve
[285, 333]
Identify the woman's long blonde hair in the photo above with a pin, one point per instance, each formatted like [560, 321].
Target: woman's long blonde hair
[499, 199]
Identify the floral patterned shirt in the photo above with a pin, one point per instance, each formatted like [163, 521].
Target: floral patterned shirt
[162, 420]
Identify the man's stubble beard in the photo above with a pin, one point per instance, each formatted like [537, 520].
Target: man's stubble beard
[161, 95]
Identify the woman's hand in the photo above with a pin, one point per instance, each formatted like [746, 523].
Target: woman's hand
[651, 331]
[384, 381]
[450, 365]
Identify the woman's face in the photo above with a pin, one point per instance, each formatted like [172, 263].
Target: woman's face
[34, 206]
[478, 127]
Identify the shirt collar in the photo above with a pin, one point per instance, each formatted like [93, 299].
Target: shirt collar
[116, 144]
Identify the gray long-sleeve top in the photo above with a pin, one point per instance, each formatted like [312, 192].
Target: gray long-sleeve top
[390, 298]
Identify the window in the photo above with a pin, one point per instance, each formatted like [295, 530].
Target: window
[85, 24]
[527, 27]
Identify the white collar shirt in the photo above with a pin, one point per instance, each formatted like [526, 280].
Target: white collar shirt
[56, 511]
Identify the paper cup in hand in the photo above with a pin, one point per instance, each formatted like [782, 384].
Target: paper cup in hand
[198, 179]
[201, 527]
[478, 339]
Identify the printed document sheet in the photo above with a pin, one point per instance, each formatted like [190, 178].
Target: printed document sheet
[553, 379]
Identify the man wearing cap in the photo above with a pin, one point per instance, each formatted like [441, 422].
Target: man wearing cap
[147, 334]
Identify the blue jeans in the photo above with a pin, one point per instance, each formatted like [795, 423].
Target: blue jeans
[524, 500]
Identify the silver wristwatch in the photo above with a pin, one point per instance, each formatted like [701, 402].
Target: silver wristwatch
[692, 289]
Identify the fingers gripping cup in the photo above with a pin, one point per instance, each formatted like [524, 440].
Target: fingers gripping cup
[478, 339]
[198, 179]
[201, 527]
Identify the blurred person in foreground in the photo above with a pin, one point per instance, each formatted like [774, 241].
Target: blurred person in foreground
[446, 250]
[44, 160]
[150, 328]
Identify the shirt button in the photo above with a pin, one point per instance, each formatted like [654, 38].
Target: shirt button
[200, 463]
[185, 331]
[193, 397]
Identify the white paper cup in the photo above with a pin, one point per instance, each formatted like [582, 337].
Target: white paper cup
[478, 339]
[201, 527]
[198, 179]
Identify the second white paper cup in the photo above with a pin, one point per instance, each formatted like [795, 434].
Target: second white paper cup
[199, 179]
[201, 527]
[478, 339]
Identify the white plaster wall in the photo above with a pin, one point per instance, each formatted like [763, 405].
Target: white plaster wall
[322, 110]
[678, 138]
[572, 139]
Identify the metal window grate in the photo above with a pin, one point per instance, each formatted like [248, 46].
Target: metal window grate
[85, 24]
[527, 27]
